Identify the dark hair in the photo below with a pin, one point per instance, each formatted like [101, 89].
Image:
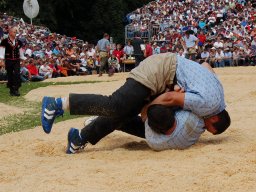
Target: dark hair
[160, 118]
[223, 123]
[105, 35]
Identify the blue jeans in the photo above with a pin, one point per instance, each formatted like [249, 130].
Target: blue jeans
[219, 64]
[228, 62]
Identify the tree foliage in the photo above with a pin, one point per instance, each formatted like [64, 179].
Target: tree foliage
[85, 19]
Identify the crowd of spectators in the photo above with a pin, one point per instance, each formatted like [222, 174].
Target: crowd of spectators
[48, 55]
[221, 32]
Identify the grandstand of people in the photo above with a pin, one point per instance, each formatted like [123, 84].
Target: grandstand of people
[219, 32]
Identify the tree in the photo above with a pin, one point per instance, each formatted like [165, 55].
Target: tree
[87, 20]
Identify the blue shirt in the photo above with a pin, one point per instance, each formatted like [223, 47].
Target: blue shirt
[204, 94]
[188, 129]
[103, 44]
[156, 50]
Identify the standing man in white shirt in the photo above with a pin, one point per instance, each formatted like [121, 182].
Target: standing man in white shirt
[190, 44]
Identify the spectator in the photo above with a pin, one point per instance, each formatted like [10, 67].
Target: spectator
[3, 74]
[190, 42]
[164, 48]
[69, 51]
[34, 75]
[118, 53]
[45, 70]
[219, 58]
[90, 65]
[91, 52]
[56, 51]
[201, 38]
[148, 49]
[236, 57]
[156, 48]
[114, 65]
[103, 47]
[218, 43]
[228, 57]
[128, 49]
[24, 72]
[205, 55]
[138, 45]
[74, 65]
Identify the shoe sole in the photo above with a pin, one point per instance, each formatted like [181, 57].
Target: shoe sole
[44, 102]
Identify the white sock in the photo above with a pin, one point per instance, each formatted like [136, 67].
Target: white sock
[65, 103]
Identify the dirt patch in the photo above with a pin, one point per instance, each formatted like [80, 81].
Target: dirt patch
[106, 87]
[33, 161]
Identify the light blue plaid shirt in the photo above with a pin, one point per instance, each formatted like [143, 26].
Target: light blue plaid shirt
[204, 93]
[187, 132]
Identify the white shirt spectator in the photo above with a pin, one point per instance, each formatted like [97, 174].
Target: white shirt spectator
[45, 71]
[236, 55]
[229, 35]
[219, 55]
[190, 41]
[28, 52]
[48, 53]
[212, 19]
[218, 44]
[128, 50]
[205, 54]
[253, 42]
[91, 52]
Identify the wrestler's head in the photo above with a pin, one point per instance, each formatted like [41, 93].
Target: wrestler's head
[217, 124]
[160, 118]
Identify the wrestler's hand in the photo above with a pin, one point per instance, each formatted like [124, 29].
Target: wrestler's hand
[179, 89]
[143, 113]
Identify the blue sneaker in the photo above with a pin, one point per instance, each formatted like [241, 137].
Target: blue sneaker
[50, 110]
[75, 141]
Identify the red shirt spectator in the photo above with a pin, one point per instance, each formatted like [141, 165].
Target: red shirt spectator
[118, 52]
[148, 50]
[202, 37]
[53, 67]
[164, 49]
[176, 36]
[32, 69]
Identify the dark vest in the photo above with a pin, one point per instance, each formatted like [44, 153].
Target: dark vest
[11, 51]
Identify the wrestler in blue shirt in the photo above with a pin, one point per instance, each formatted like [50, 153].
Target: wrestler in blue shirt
[188, 129]
[203, 96]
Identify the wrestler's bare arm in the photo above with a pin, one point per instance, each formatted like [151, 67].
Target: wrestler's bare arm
[208, 66]
[172, 98]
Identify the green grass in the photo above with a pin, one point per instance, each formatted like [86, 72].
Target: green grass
[31, 116]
